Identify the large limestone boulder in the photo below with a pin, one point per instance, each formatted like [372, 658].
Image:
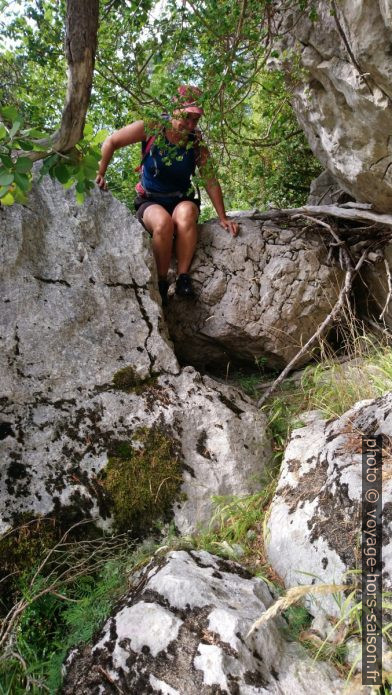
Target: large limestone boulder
[78, 296]
[97, 419]
[315, 518]
[185, 631]
[260, 295]
[343, 97]
[132, 458]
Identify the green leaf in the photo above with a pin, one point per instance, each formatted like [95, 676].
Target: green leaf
[61, 173]
[14, 129]
[7, 161]
[80, 186]
[8, 199]
[80, 198]
[6, 178]
[34, 133]
[88, 131]
[100, 136]
[19, 195]
[25, 145]
[50, 161]
[23, 164]
[3, 131]
[23, 181]
[3, 191]
[90, 162]
[10, 113]
[69, 183]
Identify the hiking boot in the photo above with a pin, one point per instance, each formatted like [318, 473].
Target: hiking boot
[163, 287]
[184, 286]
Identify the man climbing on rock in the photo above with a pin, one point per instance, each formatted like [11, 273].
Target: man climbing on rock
[166, 203]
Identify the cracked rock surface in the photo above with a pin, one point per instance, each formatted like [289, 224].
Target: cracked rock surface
[183, 629]
[54, 453]
[315, 518]
[78, 297]
[344, 100]
[78, 305]
[261, 295]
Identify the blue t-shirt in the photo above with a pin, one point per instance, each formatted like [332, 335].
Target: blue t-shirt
[168, 168]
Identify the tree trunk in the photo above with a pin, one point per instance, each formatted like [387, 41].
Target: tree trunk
[80, 49]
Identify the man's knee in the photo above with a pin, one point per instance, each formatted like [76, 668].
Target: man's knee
[163, 228]
[185, 216]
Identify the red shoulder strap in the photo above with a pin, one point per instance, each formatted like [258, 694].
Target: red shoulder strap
[146, 150]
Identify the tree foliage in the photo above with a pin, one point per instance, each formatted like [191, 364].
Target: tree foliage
[146, 49]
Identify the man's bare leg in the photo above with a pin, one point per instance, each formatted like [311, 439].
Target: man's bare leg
[160, 224]
[185, 222]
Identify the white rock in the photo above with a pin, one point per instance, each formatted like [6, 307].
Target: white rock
[260, 295]
[315, 517]
[216, 602]
[79, 304]
[219, 435]
[343, 100]
[157, 628]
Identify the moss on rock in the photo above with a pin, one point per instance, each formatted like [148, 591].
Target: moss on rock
[143, 478]
[127, 380]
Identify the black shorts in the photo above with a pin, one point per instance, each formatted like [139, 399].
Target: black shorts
[169, 204]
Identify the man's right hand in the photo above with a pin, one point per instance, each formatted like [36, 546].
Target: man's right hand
[100, 181]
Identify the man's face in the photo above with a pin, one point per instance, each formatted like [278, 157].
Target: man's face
[184, 120]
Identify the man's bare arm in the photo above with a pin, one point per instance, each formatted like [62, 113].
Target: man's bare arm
[212, 186]
[128, 135]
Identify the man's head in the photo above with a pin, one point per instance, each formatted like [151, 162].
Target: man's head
[186, 112]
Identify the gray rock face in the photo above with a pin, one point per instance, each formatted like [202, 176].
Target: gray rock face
[56, 452]
[77, 289]
[325, 190]
[185, 631]
[343, 103]
[79, 306]
[315, 518]
[261, 295]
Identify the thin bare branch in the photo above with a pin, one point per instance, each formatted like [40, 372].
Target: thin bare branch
[354, 214]
[332, 316]
[388, 299]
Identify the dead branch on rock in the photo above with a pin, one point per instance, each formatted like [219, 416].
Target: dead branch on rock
[381, 329]
[354, 241]
[109, 679]
[345, 258]
[357, 214]
[332, 316]
[388, 272]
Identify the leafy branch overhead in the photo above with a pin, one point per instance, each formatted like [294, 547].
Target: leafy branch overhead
[77, 166]
[65, 159]
[145, 50]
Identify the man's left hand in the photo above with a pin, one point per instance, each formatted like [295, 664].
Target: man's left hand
[230, 226]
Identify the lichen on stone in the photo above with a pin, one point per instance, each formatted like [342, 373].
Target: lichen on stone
[143, 478]
[127, 380]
